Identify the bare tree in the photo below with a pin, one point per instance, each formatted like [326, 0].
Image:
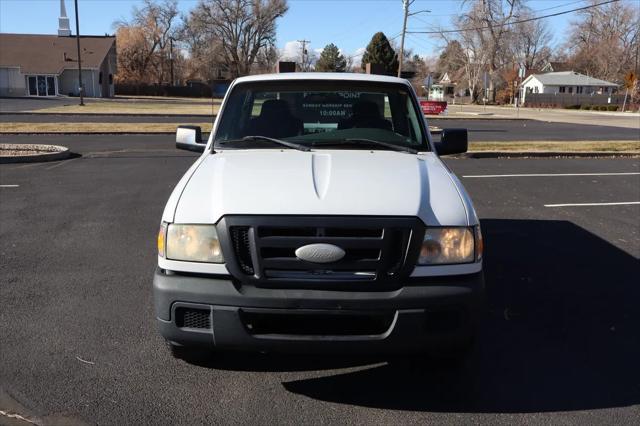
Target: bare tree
[266, 60]
[144, 41]
[492, 18]
[604, 40]
[241, 27]
[529, 42]
[206, 60]
[468, 50]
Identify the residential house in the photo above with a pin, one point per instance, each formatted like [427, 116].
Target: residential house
[565, 83]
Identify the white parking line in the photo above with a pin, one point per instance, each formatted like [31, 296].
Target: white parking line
[552, 175]
[627, 203]
[9, 186]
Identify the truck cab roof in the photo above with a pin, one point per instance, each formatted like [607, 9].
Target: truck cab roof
[371, 78]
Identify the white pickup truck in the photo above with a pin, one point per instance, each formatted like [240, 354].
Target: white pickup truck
[319, 217]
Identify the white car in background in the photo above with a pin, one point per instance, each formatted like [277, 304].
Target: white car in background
[319, 217]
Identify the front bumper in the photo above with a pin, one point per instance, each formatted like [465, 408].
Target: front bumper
[424, 312]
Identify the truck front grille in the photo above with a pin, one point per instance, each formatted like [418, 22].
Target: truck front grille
[242, 248]
[376, 249]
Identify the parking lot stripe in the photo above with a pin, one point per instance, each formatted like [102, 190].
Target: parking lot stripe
[552, 175]
[9, 186]
[626, 203]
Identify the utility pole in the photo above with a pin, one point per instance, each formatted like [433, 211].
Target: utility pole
[81, 88]
[304, 53]
[406, 4]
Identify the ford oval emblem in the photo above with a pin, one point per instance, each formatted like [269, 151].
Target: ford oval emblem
[320, 253]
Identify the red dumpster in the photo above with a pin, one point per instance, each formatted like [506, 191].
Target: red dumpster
[433, 107]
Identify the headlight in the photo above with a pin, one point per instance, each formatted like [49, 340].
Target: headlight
[191, 243]
[447, 245]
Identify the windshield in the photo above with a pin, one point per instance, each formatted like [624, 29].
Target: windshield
[322, 114]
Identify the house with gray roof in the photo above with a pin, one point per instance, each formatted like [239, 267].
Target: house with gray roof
[47, 65]
[565, 82]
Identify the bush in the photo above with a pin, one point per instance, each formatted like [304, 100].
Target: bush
[572, 107]
[612, 107]
[586, 107]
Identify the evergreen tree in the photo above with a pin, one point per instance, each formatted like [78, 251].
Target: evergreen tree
[379, 51]
[331, 60]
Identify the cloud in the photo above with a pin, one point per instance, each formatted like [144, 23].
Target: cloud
[291, 51]
[357, 56]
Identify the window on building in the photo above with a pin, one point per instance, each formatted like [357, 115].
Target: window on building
[33, 86]
[41, 85]
[570, 89]
[110, 78]
[100, 78]
[535, 89]
[579, 89]
[562, 89]
[51, 86]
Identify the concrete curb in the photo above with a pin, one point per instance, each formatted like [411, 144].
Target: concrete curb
[87, 133]
[102, 114]
[55, 153]
[473, 117]
[548, 154]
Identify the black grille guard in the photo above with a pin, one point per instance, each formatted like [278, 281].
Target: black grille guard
[380, 251]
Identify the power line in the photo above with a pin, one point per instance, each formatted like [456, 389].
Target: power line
[514, 22]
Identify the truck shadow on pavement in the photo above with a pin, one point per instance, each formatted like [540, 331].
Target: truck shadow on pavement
[562, 333]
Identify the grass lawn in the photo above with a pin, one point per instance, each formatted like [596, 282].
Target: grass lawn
[138, 107]
[543, 146]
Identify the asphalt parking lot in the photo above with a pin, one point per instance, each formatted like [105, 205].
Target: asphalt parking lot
[560, 341]
[490, 129]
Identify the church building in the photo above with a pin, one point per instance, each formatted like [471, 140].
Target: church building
[47, 65]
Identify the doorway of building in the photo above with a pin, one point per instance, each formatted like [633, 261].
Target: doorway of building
[42, 85]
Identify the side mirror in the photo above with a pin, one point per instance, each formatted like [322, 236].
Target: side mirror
[452, 141]
[190, 138]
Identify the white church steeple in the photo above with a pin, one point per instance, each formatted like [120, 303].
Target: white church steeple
[63, 21]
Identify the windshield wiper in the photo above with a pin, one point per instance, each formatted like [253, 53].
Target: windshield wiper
[371, 142]
[266, 138]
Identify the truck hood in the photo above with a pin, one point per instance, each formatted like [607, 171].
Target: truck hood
[323, 182]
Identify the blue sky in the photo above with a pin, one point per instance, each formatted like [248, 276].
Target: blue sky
[347, 23]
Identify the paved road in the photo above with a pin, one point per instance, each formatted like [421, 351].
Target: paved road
[479, 130]
[533, 130]
[560, 337]
[559, 115]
